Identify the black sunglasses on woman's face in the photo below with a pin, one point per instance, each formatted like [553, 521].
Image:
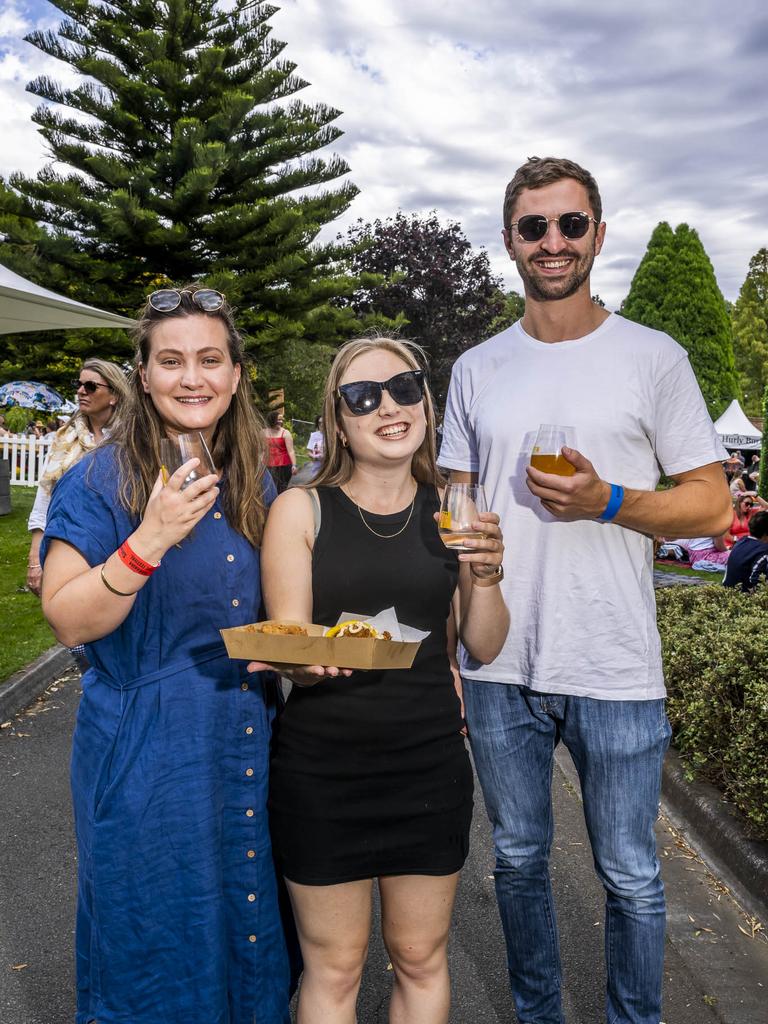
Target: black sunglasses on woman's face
[89, 386]
[364, 396]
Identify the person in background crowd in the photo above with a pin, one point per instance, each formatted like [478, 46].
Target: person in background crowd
[50, 429]
[748, 563]
[4, 431]
[316, 449]
[178, 919]
[100, 387]
[582, 662]
[744, 507]
[282, 457]
[733, 474]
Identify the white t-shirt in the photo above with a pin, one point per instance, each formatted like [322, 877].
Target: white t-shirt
[580, 594]
[316, 441]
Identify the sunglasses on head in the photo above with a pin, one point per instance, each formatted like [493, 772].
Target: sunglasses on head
[534, 226]
[364, 396]
[88, 385]
[167, 299]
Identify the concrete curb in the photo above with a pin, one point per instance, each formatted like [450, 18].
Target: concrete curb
[24, 686]
[718, 832]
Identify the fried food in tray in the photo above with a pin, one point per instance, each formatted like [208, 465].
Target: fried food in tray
[279, 629]
[358, 628]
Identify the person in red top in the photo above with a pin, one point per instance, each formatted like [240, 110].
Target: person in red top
[744, 507]
[282, 457]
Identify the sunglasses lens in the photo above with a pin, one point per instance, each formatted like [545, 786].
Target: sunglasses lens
[362, 397]
[165, 300]
[532, 228]
[406, 388]
[87, 385]
[573, 225]
[208, 299]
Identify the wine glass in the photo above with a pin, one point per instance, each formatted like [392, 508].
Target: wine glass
[175, 451]
[458, 511]
[547, 454]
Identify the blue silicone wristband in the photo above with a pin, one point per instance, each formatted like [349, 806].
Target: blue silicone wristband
[614, 503]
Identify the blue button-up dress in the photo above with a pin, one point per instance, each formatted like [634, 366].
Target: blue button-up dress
[178, 919]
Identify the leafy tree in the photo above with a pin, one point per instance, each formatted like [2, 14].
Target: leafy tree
[181, 154]
[674, 290]
[437, 287]
[750, 333]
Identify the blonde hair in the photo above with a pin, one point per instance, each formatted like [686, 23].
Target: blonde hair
[238, 447]
[338, 461]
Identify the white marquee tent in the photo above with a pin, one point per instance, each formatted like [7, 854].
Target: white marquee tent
[28, 307]
[735, 430]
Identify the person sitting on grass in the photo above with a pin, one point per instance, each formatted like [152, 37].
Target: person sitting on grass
[748, 561]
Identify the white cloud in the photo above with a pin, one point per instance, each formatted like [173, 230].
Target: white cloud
[442, 100]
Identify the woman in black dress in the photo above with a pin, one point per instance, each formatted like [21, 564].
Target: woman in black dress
[370, 776]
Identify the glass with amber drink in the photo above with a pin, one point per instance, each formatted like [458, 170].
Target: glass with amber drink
[458, 512]
[175, 451]
[547, 453]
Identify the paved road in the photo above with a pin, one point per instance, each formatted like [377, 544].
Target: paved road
[714, 972]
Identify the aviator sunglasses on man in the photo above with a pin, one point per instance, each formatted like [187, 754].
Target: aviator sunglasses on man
[167, 299]
[534, 226]
[364, 396]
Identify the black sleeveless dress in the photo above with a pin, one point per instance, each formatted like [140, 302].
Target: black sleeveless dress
[370, 774]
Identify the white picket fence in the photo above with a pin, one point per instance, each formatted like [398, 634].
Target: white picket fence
[27, 456]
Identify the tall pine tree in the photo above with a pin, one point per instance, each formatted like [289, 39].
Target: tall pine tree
[674, 290]
[750, 333]
[181, 154]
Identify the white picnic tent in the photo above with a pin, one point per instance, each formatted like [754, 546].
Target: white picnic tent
[735, 430]
[25, 306]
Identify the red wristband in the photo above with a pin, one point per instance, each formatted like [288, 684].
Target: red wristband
[134, 562]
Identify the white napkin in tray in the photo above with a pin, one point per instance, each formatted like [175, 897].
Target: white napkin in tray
[387, 621]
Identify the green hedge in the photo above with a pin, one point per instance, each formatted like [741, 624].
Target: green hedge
[715, 645]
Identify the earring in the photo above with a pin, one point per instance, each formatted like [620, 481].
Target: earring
[344, 441]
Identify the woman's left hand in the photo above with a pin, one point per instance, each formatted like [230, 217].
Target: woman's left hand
[487, 552]
[302, 675]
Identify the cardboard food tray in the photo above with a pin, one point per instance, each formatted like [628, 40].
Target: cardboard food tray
[316, 649]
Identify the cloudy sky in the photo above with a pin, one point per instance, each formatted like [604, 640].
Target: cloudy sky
[664, 101]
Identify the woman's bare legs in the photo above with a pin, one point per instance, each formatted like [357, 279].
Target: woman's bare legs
[334, 924]
[415, 920]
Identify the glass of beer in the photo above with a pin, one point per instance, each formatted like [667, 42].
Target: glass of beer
[547, 455]
[175, 451]
[458, 511]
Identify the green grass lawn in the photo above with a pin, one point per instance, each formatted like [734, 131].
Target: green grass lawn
[682, 570]
[25, 633]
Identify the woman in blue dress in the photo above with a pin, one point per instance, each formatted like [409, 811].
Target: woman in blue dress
[178, 919]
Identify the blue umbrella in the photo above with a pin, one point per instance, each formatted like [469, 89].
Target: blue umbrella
[30, 394]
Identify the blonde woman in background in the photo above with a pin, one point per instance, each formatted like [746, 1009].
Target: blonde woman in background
[100, 388]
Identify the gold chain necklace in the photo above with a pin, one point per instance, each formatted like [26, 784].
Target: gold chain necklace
[384, 536]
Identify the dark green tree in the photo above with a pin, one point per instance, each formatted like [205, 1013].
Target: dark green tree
[181, 154]
[432, 283]
[674, 290]
[749, 316]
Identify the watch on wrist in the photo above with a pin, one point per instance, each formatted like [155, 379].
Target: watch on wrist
[488, 581]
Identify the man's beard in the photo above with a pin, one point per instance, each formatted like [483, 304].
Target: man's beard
[544, 289]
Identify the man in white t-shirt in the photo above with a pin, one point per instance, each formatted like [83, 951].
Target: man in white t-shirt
[582, 661]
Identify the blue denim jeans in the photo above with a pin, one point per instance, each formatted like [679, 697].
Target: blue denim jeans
[618, 748]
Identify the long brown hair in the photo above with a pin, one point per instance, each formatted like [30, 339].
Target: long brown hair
[338, 461]
[238, 448]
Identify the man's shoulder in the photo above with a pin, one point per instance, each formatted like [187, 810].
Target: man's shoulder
[646, 338]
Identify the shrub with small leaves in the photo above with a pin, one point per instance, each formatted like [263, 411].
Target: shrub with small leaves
[715, 647]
